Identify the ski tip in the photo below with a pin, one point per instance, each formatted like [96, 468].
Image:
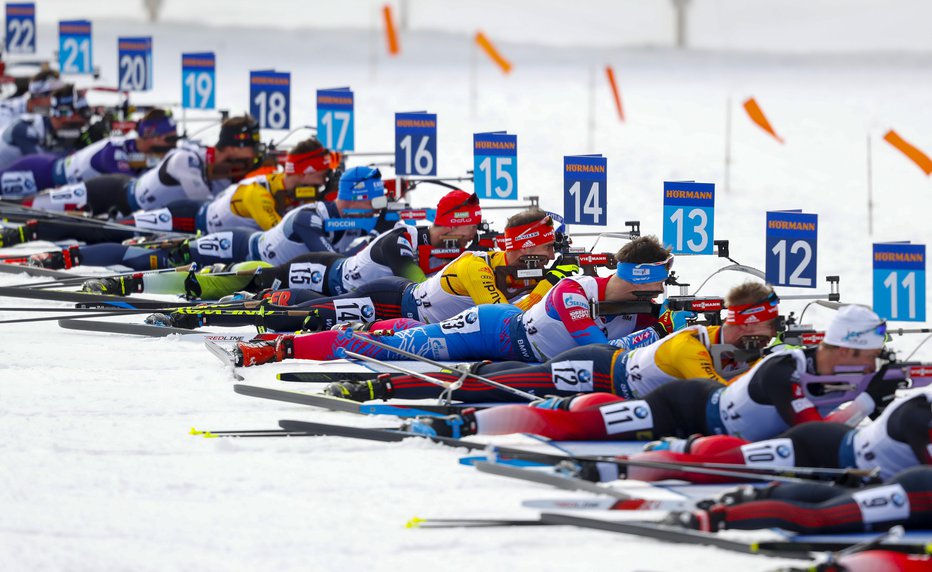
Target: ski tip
[415, 522]
[195, 431]
[208, 435]
[278, 376]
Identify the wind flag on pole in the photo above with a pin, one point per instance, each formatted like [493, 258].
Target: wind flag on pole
[757, 116]
[615, 93]
[391, 34]
[918, 157]
[493, 53]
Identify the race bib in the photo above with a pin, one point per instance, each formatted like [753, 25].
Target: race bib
[626, 416]
[307, 276]
[69, 194]
[882, 504]
[160, 219]
[18, 184]
[572, 375]
[218, 245]
[466, 322]
[354, 310]
[771, 453]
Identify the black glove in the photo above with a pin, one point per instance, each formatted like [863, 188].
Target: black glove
[882, 390]
[382, 224]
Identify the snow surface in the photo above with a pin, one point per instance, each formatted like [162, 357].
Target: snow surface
[99, 471]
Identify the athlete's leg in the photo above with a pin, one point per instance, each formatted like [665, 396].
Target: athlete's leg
[459, 338]
[307, 271]
[905, 500]
[813, 444]
[27, 176]
[137, 258]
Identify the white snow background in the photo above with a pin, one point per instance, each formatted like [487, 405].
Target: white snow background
[98, 471]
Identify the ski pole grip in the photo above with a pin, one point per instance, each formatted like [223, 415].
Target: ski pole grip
[340, 353]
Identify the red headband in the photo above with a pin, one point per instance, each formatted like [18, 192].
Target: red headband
[529, 235]
[311, 162]
[754, 313]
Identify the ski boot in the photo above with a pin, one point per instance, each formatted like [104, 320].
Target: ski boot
[115, 285]
[57, 259]
[454, 426]
[378, 388]
[701, 520]
[264, 351]
[20, 234]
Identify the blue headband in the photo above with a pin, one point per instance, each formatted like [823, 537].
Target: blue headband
[156, 127]
[645, 272]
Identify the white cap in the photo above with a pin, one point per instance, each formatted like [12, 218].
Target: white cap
[855, 327]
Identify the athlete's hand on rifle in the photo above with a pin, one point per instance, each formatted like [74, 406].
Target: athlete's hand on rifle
[671, 321]
[560, 269]
[882, 389]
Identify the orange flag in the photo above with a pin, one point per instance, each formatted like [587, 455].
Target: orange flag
[615, 93]
[917, 156]
[758, 117]
[390, 33]
[493, 53]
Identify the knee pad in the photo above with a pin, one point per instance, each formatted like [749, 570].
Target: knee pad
[715, 445]
[593, 400]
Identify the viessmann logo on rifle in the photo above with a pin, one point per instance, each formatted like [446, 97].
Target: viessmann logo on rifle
[593, 259]
[706, 305]
[814, 338]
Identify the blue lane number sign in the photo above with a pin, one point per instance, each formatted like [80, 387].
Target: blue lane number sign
[336, 126]
[689, 217]
[585, 191]
[21, 28]
[495, 165]
[791, 248]
[198, 80]
[416, 143]
[900, 281]
[270, 98]
[134, 58]
[74, 47]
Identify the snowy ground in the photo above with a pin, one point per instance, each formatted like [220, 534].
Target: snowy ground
[99, 472]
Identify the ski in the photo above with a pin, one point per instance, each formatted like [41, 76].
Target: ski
[625, 501]
[35, 271]
[574, 504]
[334, 403]
[324, 377]
[225, 356]
[395, 434]
[129, 302]
[152, 331]
[471, 522]
[385, 435]
[679, 536]
[776, 548]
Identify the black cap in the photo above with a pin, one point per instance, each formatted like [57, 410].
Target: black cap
[236, 133]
